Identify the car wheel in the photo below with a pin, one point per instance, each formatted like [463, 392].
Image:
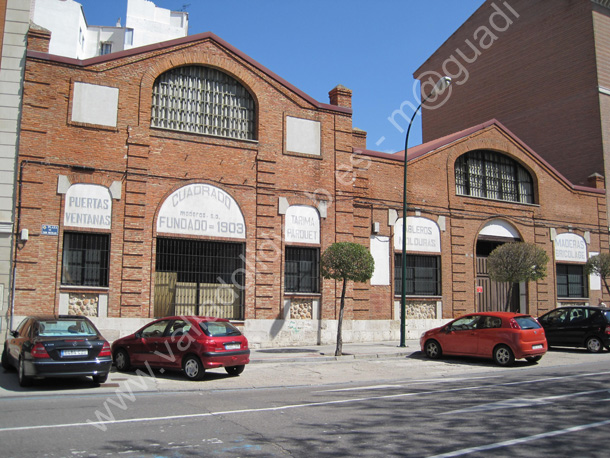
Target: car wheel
[433, 349]
[24, 380]
[192, 367]
[121, 360]
[594, 345]
[503, 355]
[100, 378]
[235, 370]
[6, 364]
[533, 359]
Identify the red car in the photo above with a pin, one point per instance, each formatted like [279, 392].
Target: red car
[188, 343]
[501, 336]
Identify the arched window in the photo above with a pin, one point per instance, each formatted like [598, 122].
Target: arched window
[203, 100]
[493, 175]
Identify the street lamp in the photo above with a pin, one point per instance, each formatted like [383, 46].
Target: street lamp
[439, 87]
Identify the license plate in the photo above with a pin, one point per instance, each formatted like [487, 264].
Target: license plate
[233, 346]
[536, 347]
[74, 353]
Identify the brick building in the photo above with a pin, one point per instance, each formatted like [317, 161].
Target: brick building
[184, 177]
[542, 69]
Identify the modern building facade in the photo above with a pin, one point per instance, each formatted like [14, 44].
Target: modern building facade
[209, 185]
[14, 27]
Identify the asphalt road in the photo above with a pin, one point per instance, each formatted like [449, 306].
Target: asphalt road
[409, 407]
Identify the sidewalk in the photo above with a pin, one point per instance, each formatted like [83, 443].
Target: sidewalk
[367, 350]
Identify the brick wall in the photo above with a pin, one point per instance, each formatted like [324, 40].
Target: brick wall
[531, 65]
[356, 189]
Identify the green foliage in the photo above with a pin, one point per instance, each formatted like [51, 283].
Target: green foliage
[347, 261]
[599, 265]
[517, 262]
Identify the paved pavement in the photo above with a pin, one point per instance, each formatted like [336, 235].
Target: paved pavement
[306, 365]
[319, 353]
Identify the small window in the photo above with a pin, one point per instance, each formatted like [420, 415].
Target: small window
[156, 329]
[557, 317]
[571, 281]
[527, 322]
[85, 259]
[105, 48]
[59, 328]
[423, 275]
[128, 37]
[467, 323]
[490, 322]
[302, 270]
[492, 175]
[219, 329]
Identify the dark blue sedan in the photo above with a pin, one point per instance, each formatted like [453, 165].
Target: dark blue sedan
[57, 346]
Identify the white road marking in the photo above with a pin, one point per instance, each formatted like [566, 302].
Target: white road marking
[279, 408]
[521, 440]
[517, 403]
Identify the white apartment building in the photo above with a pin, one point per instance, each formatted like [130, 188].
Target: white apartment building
[72, 36]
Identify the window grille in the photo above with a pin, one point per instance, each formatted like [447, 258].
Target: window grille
[423, 275]
[85, 259]
[203, 100]
[199, 277]
[571, 281]
[302, 270]
[493, 175]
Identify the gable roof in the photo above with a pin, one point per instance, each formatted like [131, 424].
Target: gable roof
[181, 41]
[433, 145]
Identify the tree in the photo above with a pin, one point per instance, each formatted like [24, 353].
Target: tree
[599, 265]
[346, 261]
[517, 262]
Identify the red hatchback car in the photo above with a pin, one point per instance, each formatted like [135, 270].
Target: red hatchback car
[501, 336]
[188, 343]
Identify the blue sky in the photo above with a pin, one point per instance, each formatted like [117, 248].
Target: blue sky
[370, 46]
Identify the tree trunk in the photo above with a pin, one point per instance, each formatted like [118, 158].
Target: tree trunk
[339, 350]
[606, 284]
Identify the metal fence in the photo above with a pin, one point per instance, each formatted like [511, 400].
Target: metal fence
[195, 277]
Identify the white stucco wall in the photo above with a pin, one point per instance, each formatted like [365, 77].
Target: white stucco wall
[71, 36]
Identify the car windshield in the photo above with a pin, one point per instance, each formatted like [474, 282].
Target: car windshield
[607, 314]
[219, 329]
[65, 328]
[527, 322]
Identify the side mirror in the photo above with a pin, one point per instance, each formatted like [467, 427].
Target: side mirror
[15, 333]
[138, 335]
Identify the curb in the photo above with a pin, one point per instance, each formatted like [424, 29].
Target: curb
[329, 358]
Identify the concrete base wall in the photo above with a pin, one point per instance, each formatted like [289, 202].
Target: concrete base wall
[288, 333]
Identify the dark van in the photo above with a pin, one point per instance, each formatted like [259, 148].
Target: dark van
[578, 326]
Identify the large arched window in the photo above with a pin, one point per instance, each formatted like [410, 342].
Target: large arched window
[493, 175]
[203, 100]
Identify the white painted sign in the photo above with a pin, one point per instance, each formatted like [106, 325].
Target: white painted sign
[302, 225]
[201, 209]
[88, 205]
[380, 249]
[423, 235]
[570, 247]
[93, 104]
[302, 136]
